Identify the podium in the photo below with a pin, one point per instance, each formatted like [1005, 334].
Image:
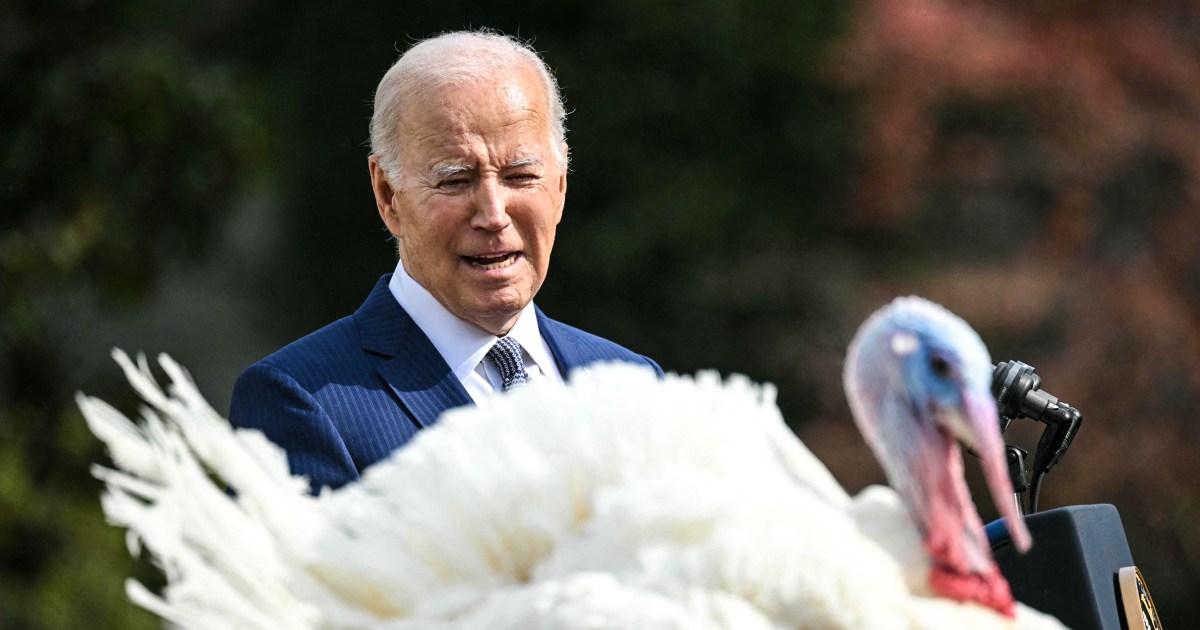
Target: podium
[1079, 569]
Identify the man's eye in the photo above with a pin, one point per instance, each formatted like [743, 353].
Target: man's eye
[521, 177]
[456, 182]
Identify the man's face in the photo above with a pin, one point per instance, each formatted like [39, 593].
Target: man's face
[479, 198]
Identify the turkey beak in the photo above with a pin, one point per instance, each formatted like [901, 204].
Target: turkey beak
[979, 428]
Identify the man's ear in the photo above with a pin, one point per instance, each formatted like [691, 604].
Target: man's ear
[562, 195]
[384, 195]
[562, 187]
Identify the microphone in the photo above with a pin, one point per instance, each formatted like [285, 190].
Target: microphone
[1019, 395]
[1079, 570]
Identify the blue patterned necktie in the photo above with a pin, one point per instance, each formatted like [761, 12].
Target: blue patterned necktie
[506, 353]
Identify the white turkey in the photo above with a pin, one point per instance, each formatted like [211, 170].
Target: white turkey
[618, 500]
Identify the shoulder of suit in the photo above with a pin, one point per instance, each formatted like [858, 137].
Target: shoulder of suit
[595, 345]
[327, 344]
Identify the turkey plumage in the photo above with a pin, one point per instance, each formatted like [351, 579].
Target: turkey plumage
[617, 500]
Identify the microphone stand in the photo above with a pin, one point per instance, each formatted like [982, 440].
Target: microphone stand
[1017, 474]
[1080, 568]
[1019, 395]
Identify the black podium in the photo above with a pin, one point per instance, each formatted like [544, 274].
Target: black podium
[1080, 569]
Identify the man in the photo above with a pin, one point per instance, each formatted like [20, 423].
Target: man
[469, 171]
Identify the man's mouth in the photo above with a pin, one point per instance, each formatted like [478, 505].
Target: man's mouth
[492, 262]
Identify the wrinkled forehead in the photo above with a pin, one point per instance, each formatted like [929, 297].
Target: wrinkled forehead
[474, 103]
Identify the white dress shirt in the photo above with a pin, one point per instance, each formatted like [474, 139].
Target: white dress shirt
[464, 346]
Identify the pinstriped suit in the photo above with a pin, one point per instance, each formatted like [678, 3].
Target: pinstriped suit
[347, 395]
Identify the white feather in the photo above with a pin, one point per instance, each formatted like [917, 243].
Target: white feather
[617, 501]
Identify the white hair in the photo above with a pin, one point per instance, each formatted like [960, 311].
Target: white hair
[448, 59]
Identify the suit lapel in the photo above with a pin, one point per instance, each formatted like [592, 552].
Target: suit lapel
[422, 380]
[413, 369]
[565, 352]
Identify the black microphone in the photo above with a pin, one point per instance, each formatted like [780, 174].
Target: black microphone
[1019, 395]
[1077, 570]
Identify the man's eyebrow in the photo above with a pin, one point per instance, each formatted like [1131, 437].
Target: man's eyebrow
[443, 171]
[531, 160]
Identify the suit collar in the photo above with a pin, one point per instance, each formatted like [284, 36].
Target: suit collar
[558, 339]
[382, 324]
[413, 369]
[462, 344]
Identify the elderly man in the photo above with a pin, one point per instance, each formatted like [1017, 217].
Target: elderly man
[468, 168]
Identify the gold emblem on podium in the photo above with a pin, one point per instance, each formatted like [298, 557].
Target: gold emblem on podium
[1140, 612]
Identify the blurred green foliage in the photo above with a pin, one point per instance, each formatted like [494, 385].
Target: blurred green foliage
[121, 151]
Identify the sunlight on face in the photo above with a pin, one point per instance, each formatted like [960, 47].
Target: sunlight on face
[479, 198]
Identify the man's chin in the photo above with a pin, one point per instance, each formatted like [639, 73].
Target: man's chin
[496, 315]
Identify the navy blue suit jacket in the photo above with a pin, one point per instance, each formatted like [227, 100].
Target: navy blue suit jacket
[351, 393]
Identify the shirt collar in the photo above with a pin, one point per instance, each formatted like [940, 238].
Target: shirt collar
[529, 335]
[463, 345]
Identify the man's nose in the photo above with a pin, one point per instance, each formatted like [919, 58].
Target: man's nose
[491, 206]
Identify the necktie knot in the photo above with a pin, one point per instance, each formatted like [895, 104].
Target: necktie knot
[506, 354]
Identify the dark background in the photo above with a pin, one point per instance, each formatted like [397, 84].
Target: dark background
[749, 181]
